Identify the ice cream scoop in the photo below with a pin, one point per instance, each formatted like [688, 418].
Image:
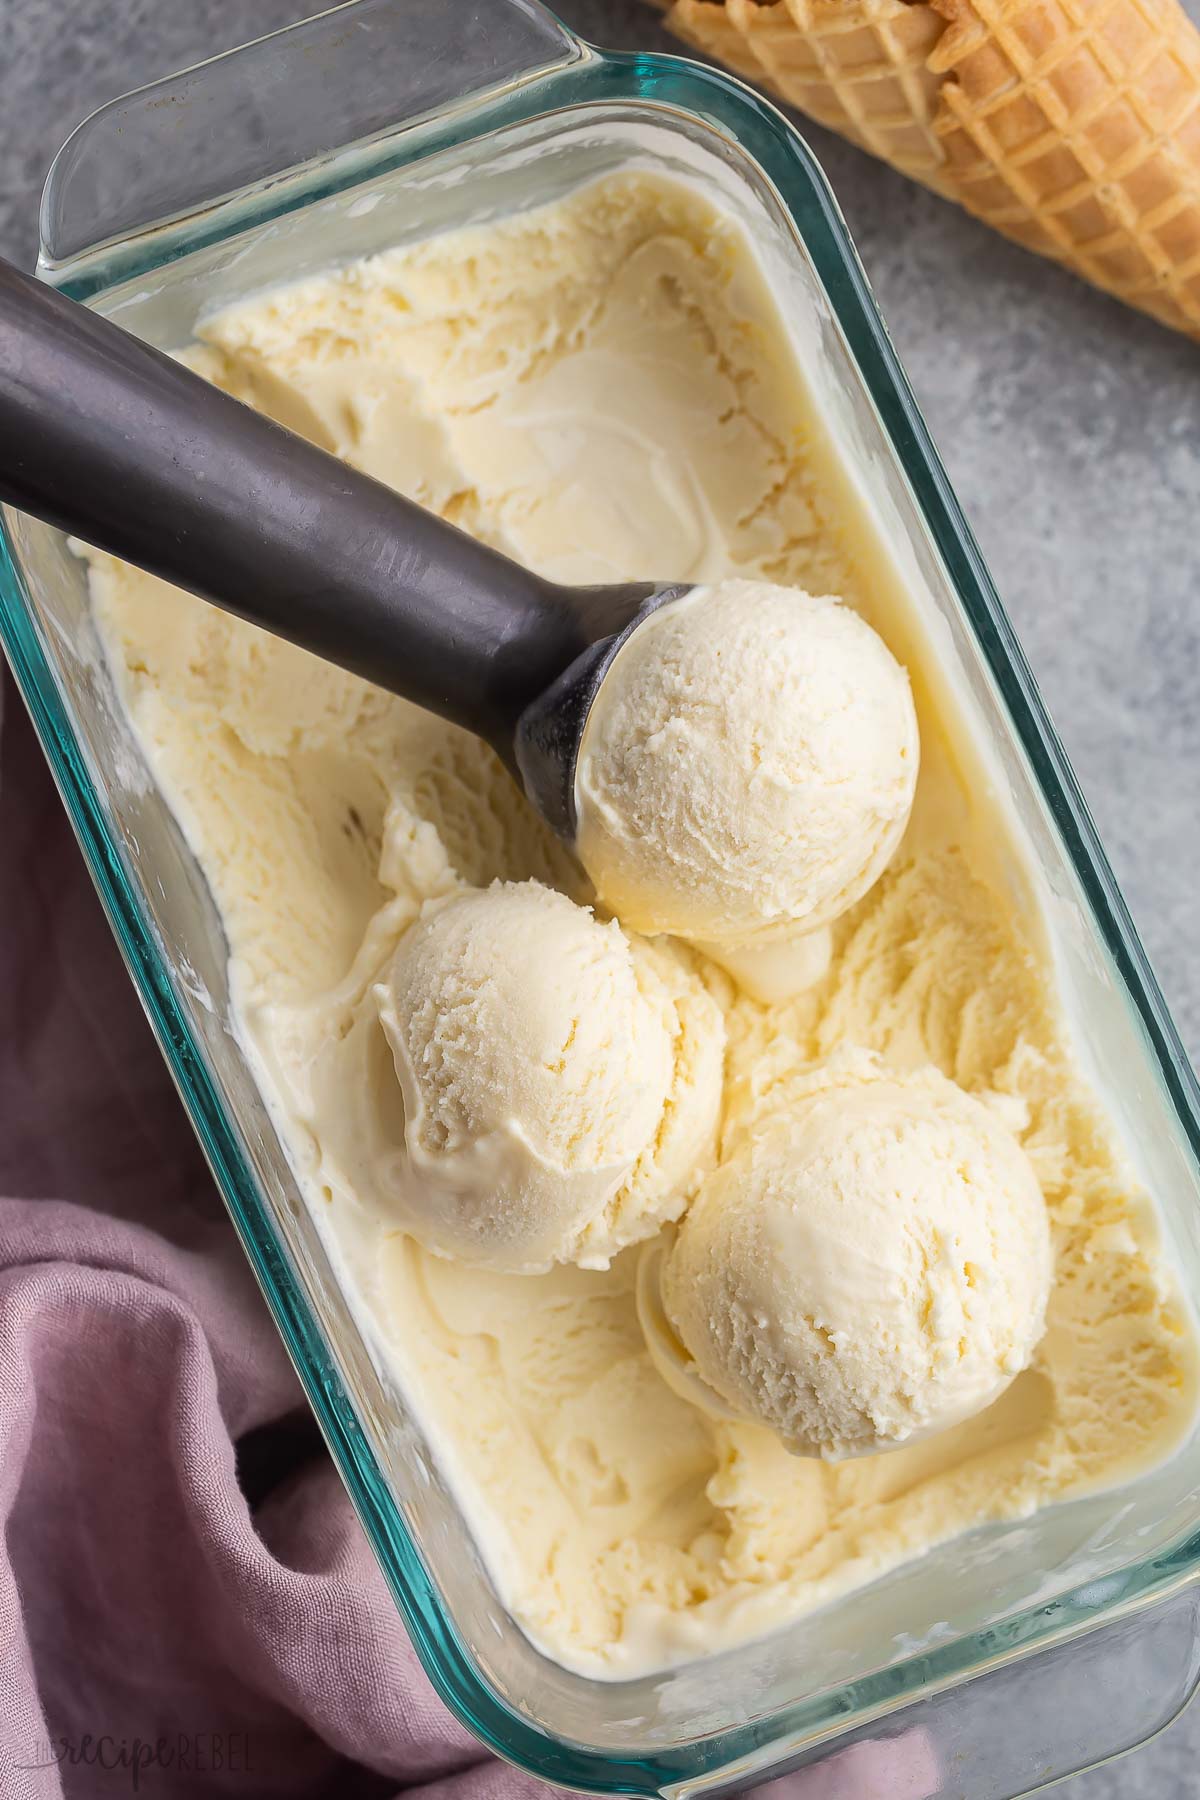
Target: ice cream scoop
[871, 1266]
[745, 776]
[115, 442]
[561, 1080]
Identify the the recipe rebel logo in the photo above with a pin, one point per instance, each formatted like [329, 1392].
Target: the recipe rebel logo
[135, 1759]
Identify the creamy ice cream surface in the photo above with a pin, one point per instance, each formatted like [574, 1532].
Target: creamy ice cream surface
[605, 389]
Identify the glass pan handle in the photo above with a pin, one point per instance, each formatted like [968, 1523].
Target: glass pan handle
[360, 72]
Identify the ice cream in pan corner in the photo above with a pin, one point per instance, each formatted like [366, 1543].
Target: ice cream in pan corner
[727, 1200]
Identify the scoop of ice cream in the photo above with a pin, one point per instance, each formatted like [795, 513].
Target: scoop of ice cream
[747, 768]
[561, 1080]
[871, 1266]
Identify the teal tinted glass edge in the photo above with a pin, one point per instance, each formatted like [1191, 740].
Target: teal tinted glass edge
[761, 130]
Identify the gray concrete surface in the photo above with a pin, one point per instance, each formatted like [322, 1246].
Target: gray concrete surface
[1070, 426]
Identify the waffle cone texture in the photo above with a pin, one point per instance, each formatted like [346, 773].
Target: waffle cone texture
[1072, 126]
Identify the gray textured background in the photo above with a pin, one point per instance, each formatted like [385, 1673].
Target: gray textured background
[1070, 427]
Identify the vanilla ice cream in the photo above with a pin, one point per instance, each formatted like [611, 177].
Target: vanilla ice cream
[747, 769]
[872, 1265]
[561, 1080]
[606, 389]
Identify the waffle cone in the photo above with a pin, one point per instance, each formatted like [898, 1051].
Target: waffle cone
[860, 68]
[712, 30]
[1072, 126]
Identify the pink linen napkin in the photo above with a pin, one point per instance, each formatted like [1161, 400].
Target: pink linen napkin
[188, 1606]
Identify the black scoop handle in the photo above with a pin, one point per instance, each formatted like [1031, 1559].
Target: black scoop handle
[114, 442]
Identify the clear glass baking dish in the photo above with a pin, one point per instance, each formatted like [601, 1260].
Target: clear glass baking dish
[391, 119]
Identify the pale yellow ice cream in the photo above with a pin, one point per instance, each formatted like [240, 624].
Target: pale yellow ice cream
[747, 769]
[871, 1265]
[606, 389]
[561, 1081]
